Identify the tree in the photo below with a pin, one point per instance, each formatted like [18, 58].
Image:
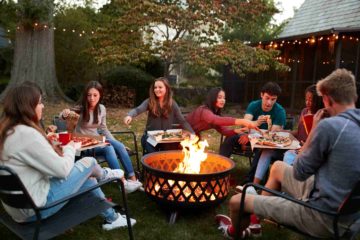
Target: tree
[180, 31]
[34, 48]
[74, 65]
[260, 29]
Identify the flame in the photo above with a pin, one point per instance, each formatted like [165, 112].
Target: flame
[194, 155]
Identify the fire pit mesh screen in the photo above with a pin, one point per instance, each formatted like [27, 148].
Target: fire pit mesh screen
[209, 187]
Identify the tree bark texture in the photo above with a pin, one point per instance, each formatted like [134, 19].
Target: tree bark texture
[34, 61]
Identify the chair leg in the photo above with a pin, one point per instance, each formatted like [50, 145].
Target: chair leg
[122, 189]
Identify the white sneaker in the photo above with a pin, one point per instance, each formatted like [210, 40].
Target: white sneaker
[119, 222]
[113, 173]
[131, 186]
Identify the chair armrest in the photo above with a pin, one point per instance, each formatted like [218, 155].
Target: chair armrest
[67, 198]
[287, 197]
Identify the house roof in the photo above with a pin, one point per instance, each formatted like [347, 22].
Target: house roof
[318, 17]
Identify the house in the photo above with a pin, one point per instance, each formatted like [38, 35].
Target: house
[323, 35]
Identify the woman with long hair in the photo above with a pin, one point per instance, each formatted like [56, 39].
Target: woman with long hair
[47, 175]
[162, 110]
[92, 121]
[208, 116]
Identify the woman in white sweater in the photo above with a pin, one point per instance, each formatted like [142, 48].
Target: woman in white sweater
[46, 174]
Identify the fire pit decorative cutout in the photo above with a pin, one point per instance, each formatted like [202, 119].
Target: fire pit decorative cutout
[166, 185]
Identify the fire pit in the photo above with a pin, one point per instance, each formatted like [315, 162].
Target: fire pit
[177, 190]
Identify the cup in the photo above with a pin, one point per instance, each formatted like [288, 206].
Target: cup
[64, 138]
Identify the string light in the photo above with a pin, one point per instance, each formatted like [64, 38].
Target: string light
[37, 26]
[312, 40]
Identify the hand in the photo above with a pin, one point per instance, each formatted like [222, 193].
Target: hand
[65, 113]
[243, 139]
[320, 114]
[250, 124]
[127, 120]
[193, 136]
[261, 119]
[241, 130]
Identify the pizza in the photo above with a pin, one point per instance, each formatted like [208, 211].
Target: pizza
[273, 139]
[85, 141]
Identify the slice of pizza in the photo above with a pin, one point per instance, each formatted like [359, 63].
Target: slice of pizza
[85, 141]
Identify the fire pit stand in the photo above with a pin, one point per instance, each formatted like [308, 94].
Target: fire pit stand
[179, 190]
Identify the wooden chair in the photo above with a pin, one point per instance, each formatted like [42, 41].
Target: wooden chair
[349, 206]
[133, 151]
[81, 207]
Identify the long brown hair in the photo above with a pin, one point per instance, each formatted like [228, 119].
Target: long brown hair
[84, 101]
[19, 108]
[211, 98]
[154, 104]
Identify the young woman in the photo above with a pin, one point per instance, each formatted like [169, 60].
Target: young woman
[313, 103]
[46, 175]
[208, 116]
[92, 121]
[162, 110]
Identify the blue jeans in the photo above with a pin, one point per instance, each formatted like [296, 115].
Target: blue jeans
[123, 156]
[289, 157]
[148, 148]
[264, 161]
[112, 153]
[80, 178]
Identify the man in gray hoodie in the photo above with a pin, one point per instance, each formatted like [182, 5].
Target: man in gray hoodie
[323, 174]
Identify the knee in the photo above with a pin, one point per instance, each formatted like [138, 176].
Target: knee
[234, 203]
[85, 163]
[110, 150]
[276, 169]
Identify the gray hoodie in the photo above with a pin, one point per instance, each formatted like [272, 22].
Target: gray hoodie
[333, 156]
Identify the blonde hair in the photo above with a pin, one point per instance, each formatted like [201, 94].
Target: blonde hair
[340, 85]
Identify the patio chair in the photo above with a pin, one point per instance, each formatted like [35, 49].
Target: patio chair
[81, 207]
[61, 126]
[349, 206]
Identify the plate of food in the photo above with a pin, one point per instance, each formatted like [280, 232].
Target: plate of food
[166, 136]
[85, 141]
[267, 139]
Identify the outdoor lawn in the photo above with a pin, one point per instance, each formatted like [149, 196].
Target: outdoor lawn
[151, 218]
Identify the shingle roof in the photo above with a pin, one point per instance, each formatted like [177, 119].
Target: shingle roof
[315, 16]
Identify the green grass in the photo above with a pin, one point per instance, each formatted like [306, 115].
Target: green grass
[152, 222]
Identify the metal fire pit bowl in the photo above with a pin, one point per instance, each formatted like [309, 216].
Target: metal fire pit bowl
[179, 190]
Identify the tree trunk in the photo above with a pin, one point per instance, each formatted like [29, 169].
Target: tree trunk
[34, 60]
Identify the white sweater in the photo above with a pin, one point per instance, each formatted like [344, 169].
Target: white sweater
[31, 156]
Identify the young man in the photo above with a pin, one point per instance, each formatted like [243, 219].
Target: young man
[257, 112]
[324, 172]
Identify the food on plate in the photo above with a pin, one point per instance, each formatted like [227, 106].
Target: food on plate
[172, 135]
[72, 115]
[169, 135]
[85, 141]
[273, 139]
[71, 121]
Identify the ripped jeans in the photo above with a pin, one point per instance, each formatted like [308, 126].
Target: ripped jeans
[82, 176]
